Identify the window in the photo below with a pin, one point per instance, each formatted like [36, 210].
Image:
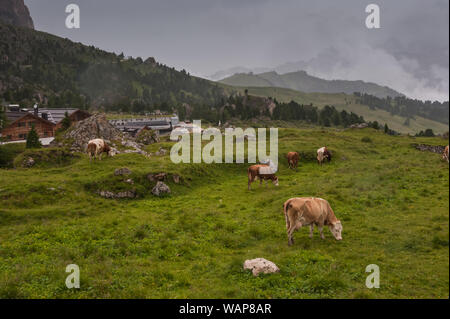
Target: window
[30, 124]
[22, 124]
[23, 136]
[9, 137]
[45, 133]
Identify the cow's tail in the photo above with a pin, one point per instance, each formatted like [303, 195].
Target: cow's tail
[286, 206]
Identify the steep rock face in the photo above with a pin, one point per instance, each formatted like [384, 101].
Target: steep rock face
[15, 12]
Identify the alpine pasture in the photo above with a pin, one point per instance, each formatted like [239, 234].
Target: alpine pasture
[392, 199]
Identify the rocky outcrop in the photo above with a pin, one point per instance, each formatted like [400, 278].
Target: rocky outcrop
[360, 125]
[429, 148]
[95, 126]
[15, 12]
[260, 265]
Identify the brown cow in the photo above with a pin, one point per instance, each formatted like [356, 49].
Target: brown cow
[97, 147]
[445, 154]
[310, 211]
[293, 158]
[253, 173]
[322, 154]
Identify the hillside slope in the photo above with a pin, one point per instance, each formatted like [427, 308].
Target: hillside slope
[350, 103]
[36, 66]
[192, 244]
[302, 81]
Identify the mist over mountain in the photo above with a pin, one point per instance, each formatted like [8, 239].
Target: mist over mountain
[43, 68]
[15, 12]
[302, 81]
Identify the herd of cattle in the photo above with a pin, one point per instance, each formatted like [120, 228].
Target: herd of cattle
[302, 211]
[298, 211]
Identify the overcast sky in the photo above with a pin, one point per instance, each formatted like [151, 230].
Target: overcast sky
[410, 52]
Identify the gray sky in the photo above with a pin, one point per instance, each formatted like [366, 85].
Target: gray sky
[410, 52]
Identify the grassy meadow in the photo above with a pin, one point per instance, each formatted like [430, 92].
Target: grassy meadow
[392, 199]
[349, 103]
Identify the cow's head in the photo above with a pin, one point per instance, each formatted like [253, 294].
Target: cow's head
[336, 229]
[275, 181]
[107, 149]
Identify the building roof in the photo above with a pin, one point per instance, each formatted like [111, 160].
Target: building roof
[15, 116]
[56, 115]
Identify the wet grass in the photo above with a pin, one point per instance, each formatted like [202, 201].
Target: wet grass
[393, 202]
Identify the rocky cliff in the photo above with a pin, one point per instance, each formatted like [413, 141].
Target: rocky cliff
[15, 12]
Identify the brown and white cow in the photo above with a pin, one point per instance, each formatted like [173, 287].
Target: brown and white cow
[302, 211]
[322, 154]
[97, 147]
[445, 154]
[293, 158]
[253, 173]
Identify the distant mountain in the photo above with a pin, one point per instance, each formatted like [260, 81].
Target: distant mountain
[15, 12]
[219, 75]
[302, 81]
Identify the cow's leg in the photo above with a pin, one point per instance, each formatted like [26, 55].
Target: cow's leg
[251, 179]
[321, 232]
[311, 230]
[294, 226]
[287, 221]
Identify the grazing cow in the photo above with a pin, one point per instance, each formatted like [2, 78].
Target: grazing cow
[310, 211]
[293, 159]
[253, 173]
[322, 154]
[97, 147]
[445, 154]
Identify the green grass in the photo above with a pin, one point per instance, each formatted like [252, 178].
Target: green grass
[392, 199]
[348, 102]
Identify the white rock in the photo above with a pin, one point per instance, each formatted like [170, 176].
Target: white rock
[260, 265]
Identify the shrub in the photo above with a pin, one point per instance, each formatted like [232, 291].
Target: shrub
[33, 139]
[8, 152]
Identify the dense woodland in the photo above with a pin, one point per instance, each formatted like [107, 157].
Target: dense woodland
[35, 66]
[408, 108]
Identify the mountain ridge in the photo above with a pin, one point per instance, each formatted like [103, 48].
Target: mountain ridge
[304, 82]
[15, 12]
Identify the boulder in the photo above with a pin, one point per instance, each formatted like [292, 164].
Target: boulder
[124, 194]
[147, 136]
[122, 171]
[260, 265]
[28, 162]
[161, 152]
[160, 189]
[153, 177]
